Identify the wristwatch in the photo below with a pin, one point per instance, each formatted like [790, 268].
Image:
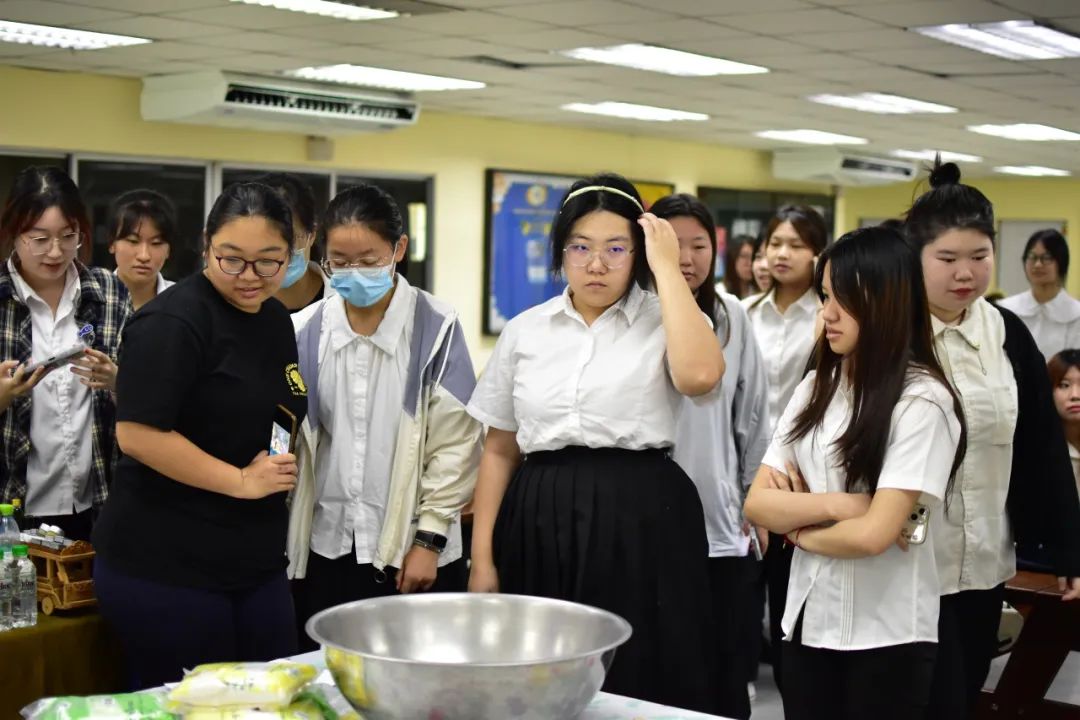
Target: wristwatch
[429, 540]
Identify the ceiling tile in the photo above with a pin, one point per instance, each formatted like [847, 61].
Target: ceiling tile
[797, 22]
[913, 13]
[472, 22]
[743, 7]
[155, 28]
[256, 42]
[669, 33]
[889, 38]
[356, 33]
[578, 13]
[1042, 8]
[46, 12]
[252, 17]
[148, 6]
[557, 40]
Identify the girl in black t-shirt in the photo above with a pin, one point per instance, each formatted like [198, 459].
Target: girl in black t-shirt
[191, 544]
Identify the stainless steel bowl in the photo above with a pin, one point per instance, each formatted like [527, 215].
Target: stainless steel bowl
[467, 656]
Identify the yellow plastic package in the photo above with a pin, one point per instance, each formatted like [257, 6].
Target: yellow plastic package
[311, 704]
[267, 686]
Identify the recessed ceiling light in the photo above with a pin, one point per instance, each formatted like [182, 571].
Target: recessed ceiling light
[881, 103]
[340, 10]
[631, 111]
[383, 78]
[662, 60]
[46, 36]
[946, 156]
[1025, 131]
[811, 137]
[1032, 171]
[1012, 39]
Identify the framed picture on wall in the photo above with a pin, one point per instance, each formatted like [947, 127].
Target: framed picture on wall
[520, 210]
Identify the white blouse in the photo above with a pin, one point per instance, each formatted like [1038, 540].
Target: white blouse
[1054, 325]
[558, 382]
[975, 544]
[888, 599]
[786, 341]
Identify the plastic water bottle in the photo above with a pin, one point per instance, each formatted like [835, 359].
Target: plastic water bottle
[9, 531]
[7, 591]
[25, 605]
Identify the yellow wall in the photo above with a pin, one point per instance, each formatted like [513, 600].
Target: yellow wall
[68, 111]
[1027, 199]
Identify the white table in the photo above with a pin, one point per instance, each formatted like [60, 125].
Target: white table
[604, 707]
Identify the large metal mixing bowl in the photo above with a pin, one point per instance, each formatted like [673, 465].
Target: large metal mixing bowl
[467, 656]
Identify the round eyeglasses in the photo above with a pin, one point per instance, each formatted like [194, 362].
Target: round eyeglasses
[613, 256]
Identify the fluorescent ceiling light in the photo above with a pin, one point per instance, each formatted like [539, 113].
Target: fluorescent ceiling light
[383, 78]
[340, 10]
[634, 112]
[946, 156]
[1013, 39]
[46, 36]
[1032, 171]
[1025, 131]
[811, 137]
[881, 103]
[662, 60]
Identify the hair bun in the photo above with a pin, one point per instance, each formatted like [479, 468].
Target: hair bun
[944, 174]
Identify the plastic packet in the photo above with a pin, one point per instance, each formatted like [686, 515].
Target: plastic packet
[267, 686]
[310, 704]
[129, 706]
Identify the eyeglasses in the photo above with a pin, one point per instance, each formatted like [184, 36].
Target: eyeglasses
[337, 265]
[1034, 259]
[613, 256]
[42, 244]
[264, 267]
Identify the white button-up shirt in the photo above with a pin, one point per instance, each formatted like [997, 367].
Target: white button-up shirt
[888, 599]
[558, 382]
[61, 409]
[361, 386]
[1054, 325]
[975, 544]
[786, 341]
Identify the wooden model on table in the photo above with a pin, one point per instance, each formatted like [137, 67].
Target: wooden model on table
[65, 576]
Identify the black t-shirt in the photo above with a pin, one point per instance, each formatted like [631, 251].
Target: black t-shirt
[193, 363]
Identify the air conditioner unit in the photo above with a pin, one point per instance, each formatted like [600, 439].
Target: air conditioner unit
[838, 167]
[278, 104]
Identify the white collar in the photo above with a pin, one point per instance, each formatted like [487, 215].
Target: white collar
[629, 306]
[387, 336]
[808, 302]
[23, 291]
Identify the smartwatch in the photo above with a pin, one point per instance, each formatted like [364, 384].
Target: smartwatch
[429, 540]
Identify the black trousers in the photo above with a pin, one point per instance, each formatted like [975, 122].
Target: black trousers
[731, 582]
[889, 683]
[967, 637]
[332, 582]
[777, 571]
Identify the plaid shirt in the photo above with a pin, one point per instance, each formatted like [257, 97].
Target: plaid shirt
[103, 303]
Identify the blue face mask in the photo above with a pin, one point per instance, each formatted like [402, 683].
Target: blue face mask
[298, 265]
[363, 287]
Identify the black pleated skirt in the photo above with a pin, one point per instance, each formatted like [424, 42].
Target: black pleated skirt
[623, 531]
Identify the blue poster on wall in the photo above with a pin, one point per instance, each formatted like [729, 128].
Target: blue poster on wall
[521, 209]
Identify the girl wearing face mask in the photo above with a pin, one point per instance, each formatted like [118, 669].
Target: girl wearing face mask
[719, 441]
[876, 430]
[388, 454]
[997, 498]
[784, 321]
[190, 565]
[1051, 314]
[57, 426]
[143, 228]
[1064, 371]
[578, 497]
[304, 282]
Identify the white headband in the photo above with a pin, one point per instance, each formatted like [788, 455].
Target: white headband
[603, 188]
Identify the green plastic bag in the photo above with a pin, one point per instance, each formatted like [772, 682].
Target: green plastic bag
[128, 706]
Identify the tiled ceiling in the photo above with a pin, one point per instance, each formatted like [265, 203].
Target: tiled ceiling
[811, 46]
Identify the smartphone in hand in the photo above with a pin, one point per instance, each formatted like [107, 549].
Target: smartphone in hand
[283, 432]
[61, 358]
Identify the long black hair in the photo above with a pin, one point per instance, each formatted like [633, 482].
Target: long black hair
[809, 226]
[878, 280]
[686, 205]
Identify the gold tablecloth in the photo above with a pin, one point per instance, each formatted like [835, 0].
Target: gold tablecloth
[69, 654]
